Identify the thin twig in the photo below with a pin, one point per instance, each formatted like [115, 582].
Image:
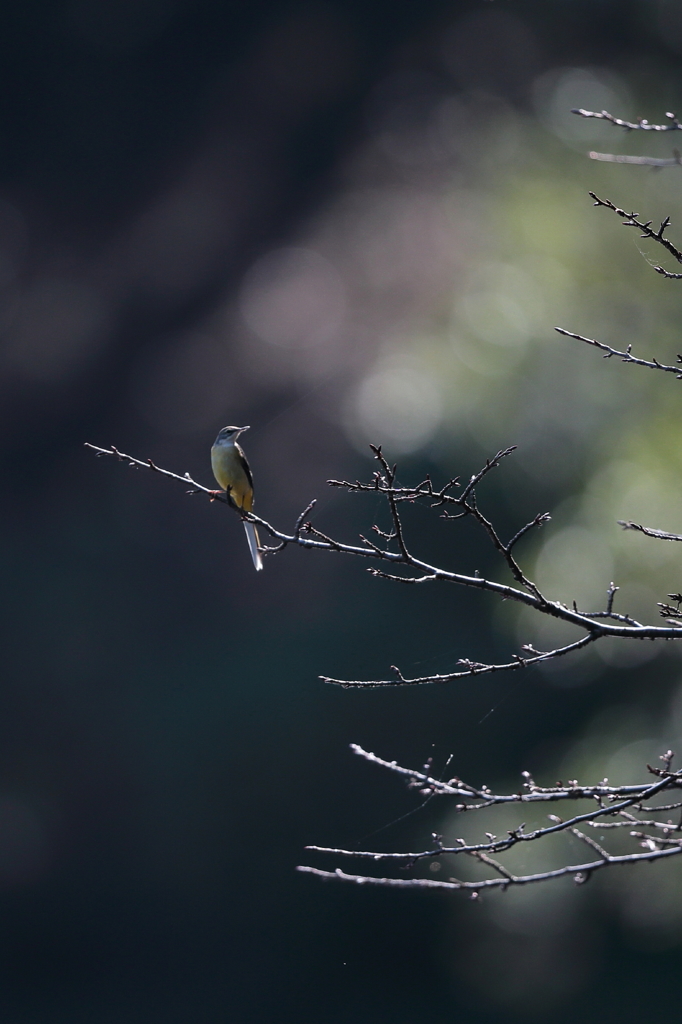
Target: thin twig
[626, 355]
[648, 531]
[390, 478]
[630, 220]
[642, 161]
[471, 668]
[641, 124]
[535, 794]
[576, 870]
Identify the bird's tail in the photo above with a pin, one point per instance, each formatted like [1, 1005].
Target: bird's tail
[253, 539]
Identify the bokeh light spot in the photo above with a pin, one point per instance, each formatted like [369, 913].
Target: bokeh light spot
[294, 298]
[397, 405]
[561, 90]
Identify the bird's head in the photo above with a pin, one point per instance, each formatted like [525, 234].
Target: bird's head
[229, 434]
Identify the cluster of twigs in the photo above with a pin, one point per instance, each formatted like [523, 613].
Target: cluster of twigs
[673, 125]
[456, 502]
[610, 808]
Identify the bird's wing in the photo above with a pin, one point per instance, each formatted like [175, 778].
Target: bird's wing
[245, 464]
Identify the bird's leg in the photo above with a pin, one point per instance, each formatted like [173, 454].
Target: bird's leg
[223, 496]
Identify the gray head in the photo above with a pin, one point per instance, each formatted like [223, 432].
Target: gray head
[229, 434]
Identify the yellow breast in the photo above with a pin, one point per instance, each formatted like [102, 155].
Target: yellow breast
[228, 469]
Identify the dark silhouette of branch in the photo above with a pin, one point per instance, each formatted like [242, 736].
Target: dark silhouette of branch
[594, 626]
[608, 801]
[648, 531]
[630, 220]
[626, 355]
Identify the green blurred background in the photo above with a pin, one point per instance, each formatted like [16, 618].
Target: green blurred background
[340, 222]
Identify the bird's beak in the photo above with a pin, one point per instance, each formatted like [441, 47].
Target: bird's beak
[242, 429]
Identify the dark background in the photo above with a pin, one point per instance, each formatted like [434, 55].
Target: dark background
[167, 748]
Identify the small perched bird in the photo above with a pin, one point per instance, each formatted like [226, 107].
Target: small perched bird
[233, 473]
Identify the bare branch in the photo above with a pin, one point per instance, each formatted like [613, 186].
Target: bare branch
[630, 819]
[576, 870]
[648, 531]
[495, 865]
[655, 842]
[625, 356]
[513, 838]
[594, 626]
[641, 124]
[533, 794]
[392, 504]
[472, 668]
[606, 801]
[402, 579]
[540, 519]
[589, 841]
[489, 464]
[630, 221]
[301, 519]
[642, 161]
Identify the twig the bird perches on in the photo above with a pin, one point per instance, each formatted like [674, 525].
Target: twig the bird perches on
[593, 627]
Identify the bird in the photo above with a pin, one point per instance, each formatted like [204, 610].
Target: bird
[233, 473]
